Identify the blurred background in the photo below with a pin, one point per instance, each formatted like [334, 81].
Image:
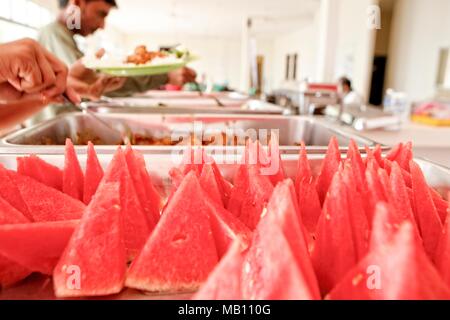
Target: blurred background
[274, 46]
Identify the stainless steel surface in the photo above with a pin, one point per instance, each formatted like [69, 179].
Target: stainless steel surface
[291, 131]
[39, 287]
[193, 106]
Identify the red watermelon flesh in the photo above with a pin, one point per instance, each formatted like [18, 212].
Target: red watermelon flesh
[371, 159]
[10, 193]
[398, 271]
[378, 155]
[269, 275]
[309, 204]
[399, 196]
[153, 198]
[275, 162]
[395, 152]
[46, 204]
[329, 168]
[36, 246]
[358, 165]
[209, 184]
[225, 187]
[96, 251]
[73, 179]
[180, 253]
[406, 175]
[386, 223]
[136, 226]
[440, 204]
[334, 251]
[303, 168]
[429, 222]
[255, 198]
[10, 272]
[358, 218]
[405, 156]
[137, 173]
[375, 190]
[36, 168]
[442, 256]
[226, 228]
[94, 174]
[282, 211]
[224, 283]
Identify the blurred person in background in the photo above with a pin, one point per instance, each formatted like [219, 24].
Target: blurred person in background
[30, 78]
[346, 92]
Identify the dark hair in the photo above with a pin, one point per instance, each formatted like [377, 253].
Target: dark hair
[64, 3]
[346, 82]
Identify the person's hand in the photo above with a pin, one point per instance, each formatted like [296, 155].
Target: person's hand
[30, 72]
[182, 76]
[90, 85]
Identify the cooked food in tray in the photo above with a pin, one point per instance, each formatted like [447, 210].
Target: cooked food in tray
[142, 56]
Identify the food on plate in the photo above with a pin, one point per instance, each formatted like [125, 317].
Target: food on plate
[252, 238]
[142, 56]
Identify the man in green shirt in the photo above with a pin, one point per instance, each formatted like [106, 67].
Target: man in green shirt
[58, 38]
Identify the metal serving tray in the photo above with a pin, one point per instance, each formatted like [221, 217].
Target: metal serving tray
[292, 130]
[39, 287]
[203, 104]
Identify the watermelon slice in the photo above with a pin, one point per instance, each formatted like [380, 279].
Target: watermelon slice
[398, 271]
[386, 223]
[375, 190]
[136, 226]
[94, 174]
[250, 195]
[46, 204]
[209, 184]
[10, 272]
[440, 204]
[378, 155]
[358, 219]
[269, 275]
[303, 167]
[224, 283]
[226, 227]
[152, 203]
[94, 261]
[73, 179]
[442, 256]
[334, 252]
[10, 193]
[36, 168]
[359, 168]
[180, 253]
[275, 162]
[429, 222]
[371, 159]
[395, 152]
[405, 156]
[329, 167]
[36, 246]
[282, 211]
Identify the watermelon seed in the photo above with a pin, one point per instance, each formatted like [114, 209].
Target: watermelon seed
[178, 239]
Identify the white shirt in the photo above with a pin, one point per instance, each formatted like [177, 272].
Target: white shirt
[352, 98]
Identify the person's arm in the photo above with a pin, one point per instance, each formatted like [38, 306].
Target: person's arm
[30, 78]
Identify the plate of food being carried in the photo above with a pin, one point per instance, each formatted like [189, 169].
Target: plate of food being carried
[142, 62]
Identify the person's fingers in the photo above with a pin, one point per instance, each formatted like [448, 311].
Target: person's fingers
[60, 71]
[100, 53]
[49, 78]
[30, 76]
[72, 95]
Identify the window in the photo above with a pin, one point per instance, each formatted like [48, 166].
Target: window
[291, 67]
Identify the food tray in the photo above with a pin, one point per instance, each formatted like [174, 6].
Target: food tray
[292, 130]
[38, 287]
[203, 104]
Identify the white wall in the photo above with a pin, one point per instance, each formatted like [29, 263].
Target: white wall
[419, 29]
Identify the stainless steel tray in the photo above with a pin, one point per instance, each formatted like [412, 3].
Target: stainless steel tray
[291, 131]
[39, 287]
[203, 105]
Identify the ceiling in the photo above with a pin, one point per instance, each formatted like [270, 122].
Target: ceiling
[210, 17]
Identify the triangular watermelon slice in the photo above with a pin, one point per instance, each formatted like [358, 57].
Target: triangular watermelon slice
[303, 168]
[334, 251]
[440, 204]
[428, 220]
[275, 162]
[36, 246]
[378, 155]
[375, 190]
[224, 283]
[371, 159]
[10, 193]
[10, 272]
[94, 174]
[46, 204]
[209, 184]
[270, 270]
[136, 226]
[358, 218]
[405, 156]
[36, 168]
[405, 174]
[394, 152]
[180, 253]
[442, 256]
[397, 271]
[250, 195]
[329, 168]
[94, 261]
[282, 211]
[359, 168]
[73, 178]
[152, 201]
[226, 227]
